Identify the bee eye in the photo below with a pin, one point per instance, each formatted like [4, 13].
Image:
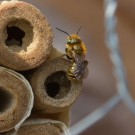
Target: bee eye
[74, 40]
[68, 41]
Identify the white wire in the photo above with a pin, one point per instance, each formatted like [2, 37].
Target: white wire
[94, 117]
[112, 43]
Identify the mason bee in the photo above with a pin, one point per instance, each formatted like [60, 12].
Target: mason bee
[75, 52]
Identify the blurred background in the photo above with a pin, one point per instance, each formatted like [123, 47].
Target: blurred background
[100, 85]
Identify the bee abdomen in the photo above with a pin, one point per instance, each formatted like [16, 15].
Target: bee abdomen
[74, 72]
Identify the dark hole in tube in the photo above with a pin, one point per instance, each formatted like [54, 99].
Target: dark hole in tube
[53, 89]
[15, 36]
[5, 100]
[57, 85]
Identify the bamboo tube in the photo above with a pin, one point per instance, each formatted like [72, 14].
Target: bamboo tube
[61, 116]
[43, 127]
[52, 90]
[54, 54]
[25, 36]
[16, 99]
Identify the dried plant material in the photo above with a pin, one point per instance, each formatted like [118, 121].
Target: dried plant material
[52, 90]
[55, 54]
[16, 99]
[43, 127]
[61, 116]
[25, 37]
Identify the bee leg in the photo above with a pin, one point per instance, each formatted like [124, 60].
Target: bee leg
[63, 55]
[86, 70]
[69, 57]
[86, 62]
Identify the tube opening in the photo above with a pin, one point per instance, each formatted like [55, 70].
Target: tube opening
[15, 36]
[5, 100]
[57, 85]
[18, 35]
[53, 89]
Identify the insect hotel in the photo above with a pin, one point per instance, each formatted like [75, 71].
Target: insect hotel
[36, 93]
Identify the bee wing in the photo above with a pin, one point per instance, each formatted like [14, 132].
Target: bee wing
[78, 58]
[81, 64]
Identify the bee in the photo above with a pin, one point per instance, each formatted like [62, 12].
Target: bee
[75, 52]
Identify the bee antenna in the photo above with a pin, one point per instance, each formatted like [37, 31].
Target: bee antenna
[79, 30]
[63, 31]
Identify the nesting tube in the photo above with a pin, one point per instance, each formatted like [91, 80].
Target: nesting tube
[25, 36]
[42, 127]
[63, 116]
[53, 91]
[16, 99]
[55, 53]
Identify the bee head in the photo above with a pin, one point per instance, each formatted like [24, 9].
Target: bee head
[73, 39]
